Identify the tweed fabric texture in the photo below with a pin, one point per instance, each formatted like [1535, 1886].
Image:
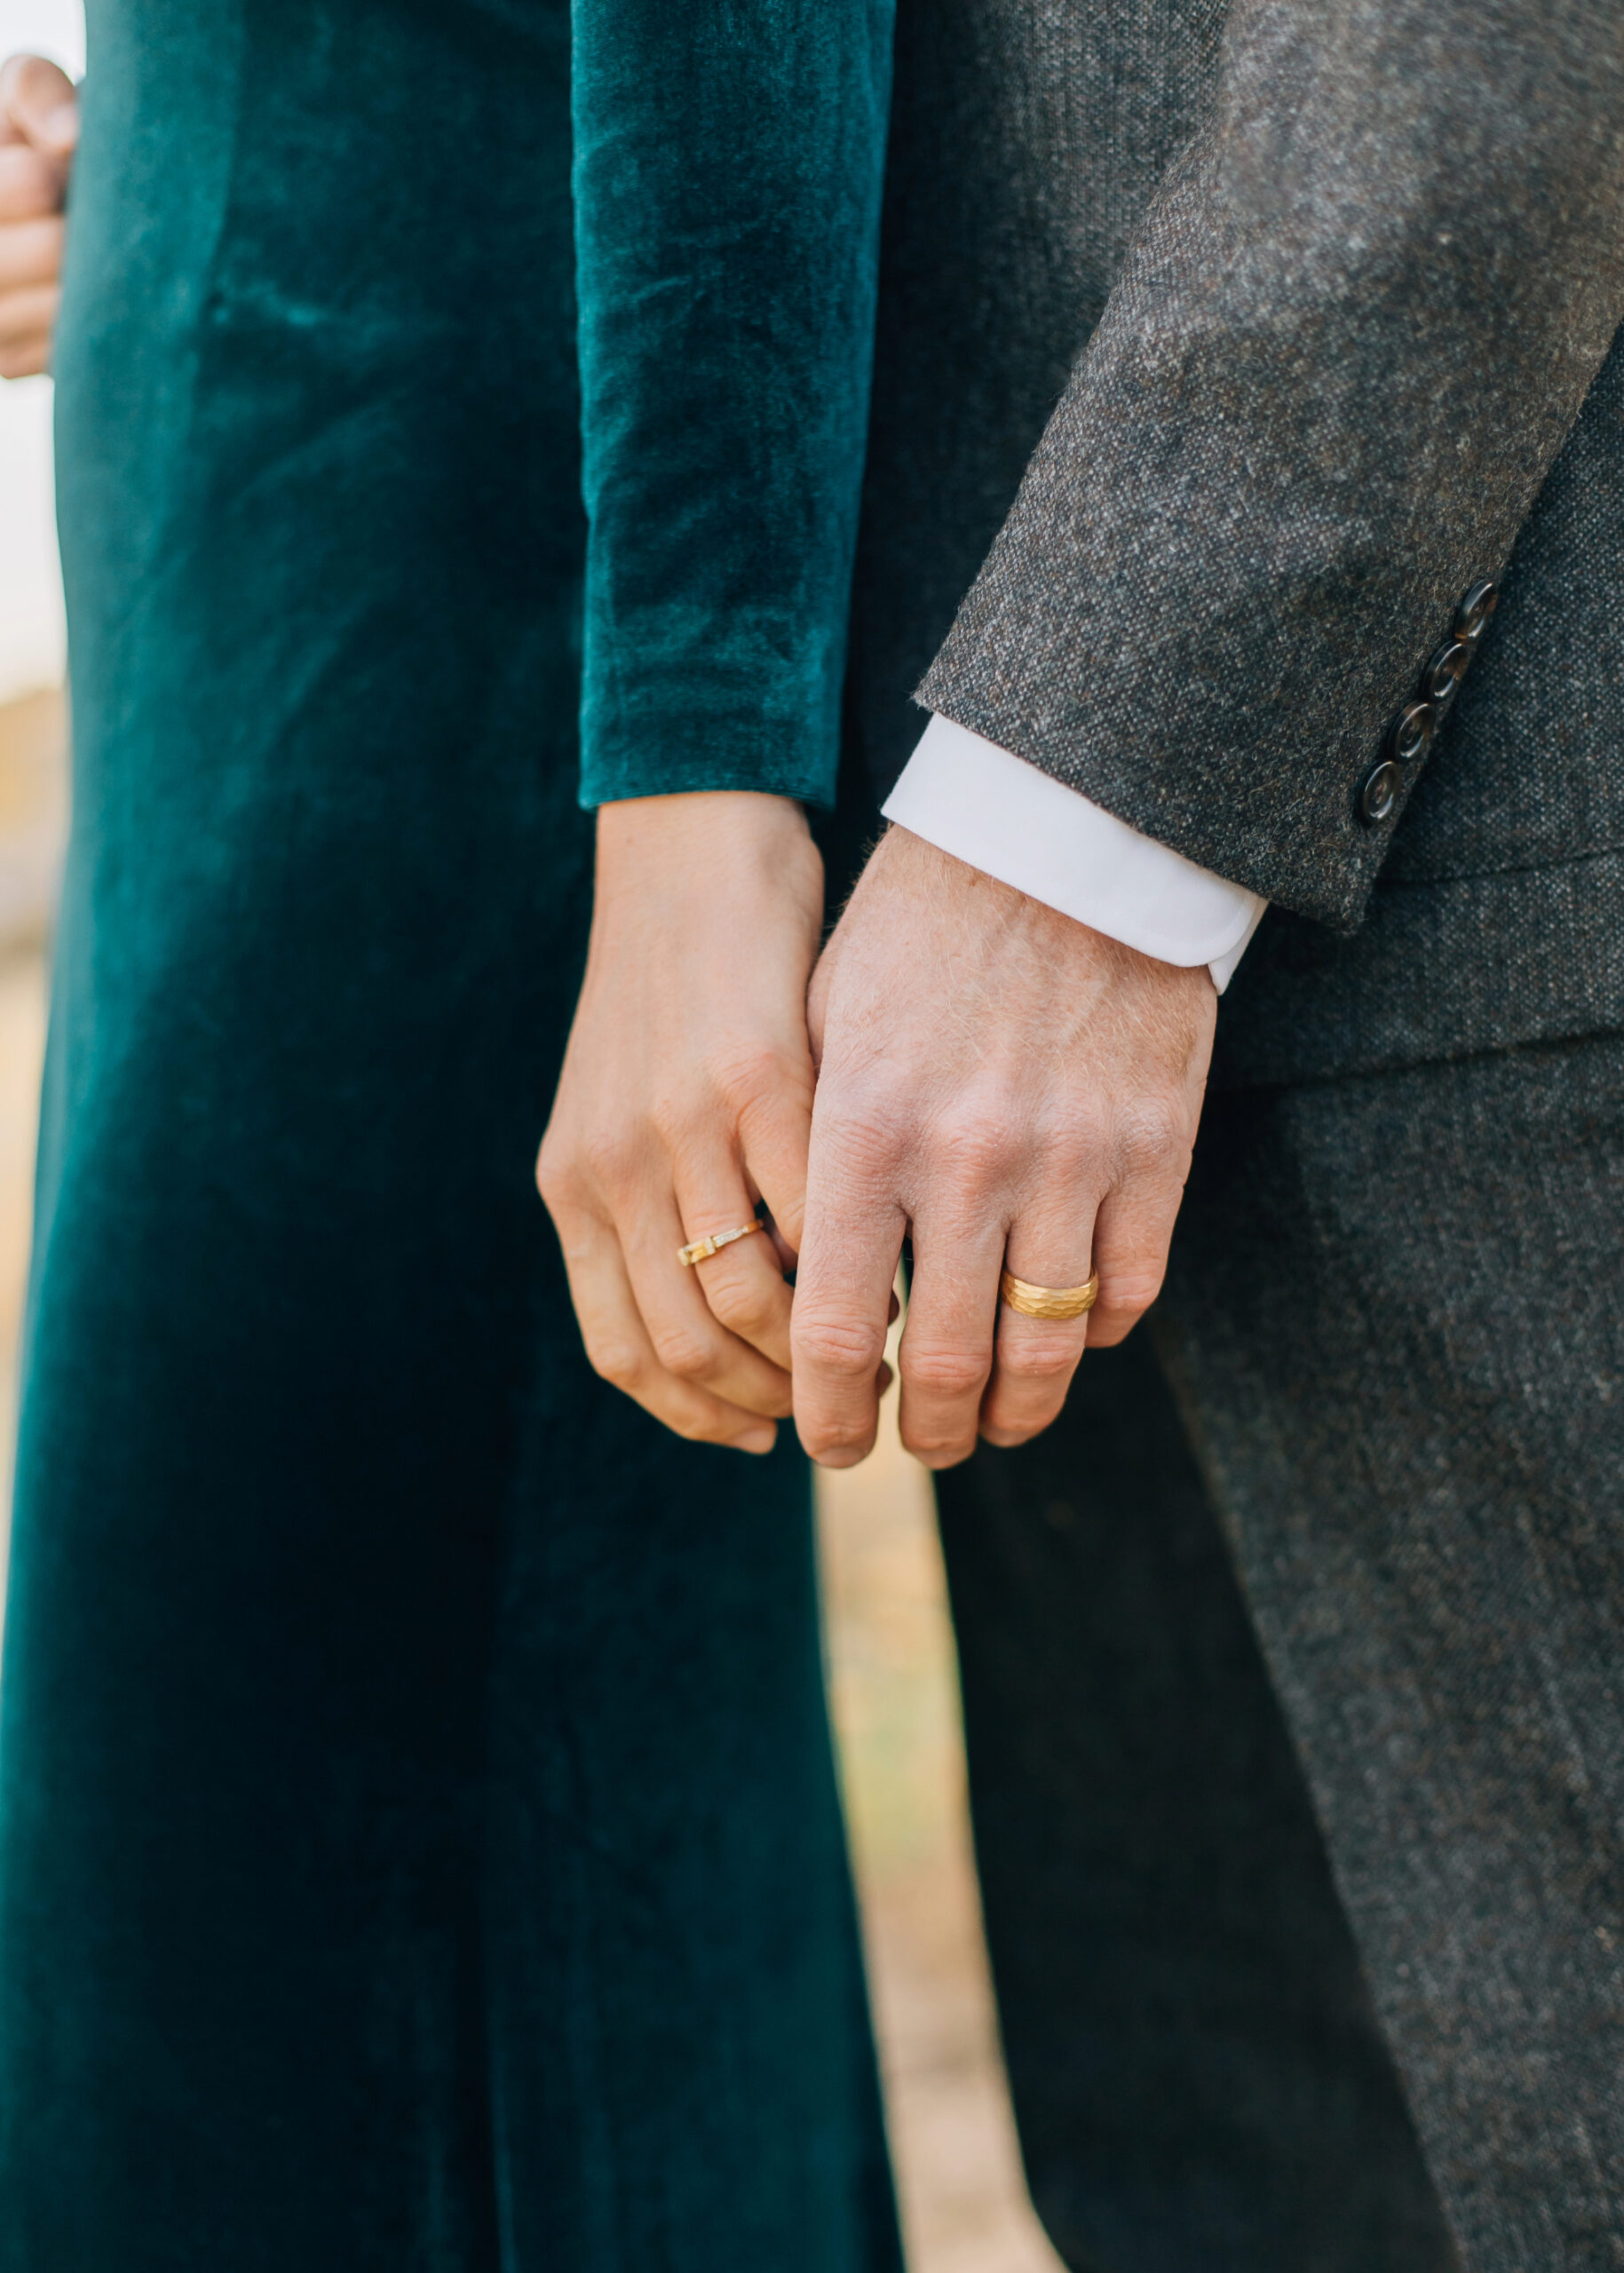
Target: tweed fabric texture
[1342, 349]
[1027, 150]
[1393, 1320]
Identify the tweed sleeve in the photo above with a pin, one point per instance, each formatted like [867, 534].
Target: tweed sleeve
[1346, 345]
[728, 163]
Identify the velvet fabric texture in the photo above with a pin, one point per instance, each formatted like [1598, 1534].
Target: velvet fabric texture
[728, 171]
[419, 1848]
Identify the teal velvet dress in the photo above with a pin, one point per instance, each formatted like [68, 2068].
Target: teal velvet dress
[418, 1842]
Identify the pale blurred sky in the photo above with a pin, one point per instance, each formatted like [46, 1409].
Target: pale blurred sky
[30, 595]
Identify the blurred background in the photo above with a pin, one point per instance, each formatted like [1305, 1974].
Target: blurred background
[890, 1645]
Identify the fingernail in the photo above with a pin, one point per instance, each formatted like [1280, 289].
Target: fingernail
[756, 1440]
[62, 126]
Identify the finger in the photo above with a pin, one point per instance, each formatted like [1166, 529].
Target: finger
[25, 313]
[619, 1348]
[26, 356]
[1034, 1359]
[31, 184]
[743, 1283]
[843, 1297]
[776, 1140]
[946, 1354]
[1131, 1238]
[746, 1283]
[688, 1339]
[30, 254]
[38, 106]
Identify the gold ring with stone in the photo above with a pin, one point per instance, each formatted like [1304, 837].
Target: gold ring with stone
[697, 1250]
[1048, 1302]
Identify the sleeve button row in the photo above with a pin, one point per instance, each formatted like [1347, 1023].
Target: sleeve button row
[1410, 737]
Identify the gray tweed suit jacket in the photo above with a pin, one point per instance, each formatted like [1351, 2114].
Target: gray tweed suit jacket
[1221, 350]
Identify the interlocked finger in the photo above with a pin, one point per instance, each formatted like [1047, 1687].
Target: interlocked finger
[30, 253]
[30, 184]
[742, 1283]
[618, 1345]
[688, 1338]
[27, 313]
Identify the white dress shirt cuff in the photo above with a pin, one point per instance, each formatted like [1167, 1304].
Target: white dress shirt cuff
[992, 809]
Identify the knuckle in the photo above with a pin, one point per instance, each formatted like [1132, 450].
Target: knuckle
[1040, 1356]
[943, 1371]
[618, 1363]
[1129, 1290]
[555, 1173]
[758, 1073]
[741, 1304]
[604, 1156]
[703, 1429]
[973, 1147]
[682, 1121]
[1073, 1141]
[864, 1135]
[1115, 1318]
[832, 1446]
[691, 1355]
[998, 1429]
[867, 1117]
[838, 1346]
[1151, 1132]
[936, 1446]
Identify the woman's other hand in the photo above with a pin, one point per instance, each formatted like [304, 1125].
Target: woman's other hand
[39, 131]
[685, 1095]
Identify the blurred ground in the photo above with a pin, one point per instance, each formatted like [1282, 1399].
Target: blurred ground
[895, 1686]
[891, 1654]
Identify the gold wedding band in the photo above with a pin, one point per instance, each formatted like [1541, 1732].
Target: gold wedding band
[1048, 1302]
[697, 1250]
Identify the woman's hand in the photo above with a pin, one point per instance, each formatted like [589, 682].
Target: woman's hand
[39, 131]
[685, 1095]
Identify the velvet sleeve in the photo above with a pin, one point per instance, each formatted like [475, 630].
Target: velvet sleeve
[727, 173]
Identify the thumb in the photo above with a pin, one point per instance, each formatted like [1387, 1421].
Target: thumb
[38, 107]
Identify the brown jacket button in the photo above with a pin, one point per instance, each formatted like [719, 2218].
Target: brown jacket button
[1411, 733]
[1441, 680]
[1378, 792]
[1475, 610]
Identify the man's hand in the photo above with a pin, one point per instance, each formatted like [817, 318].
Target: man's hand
[686, 1095]
[1019, 1091]
[39, 131]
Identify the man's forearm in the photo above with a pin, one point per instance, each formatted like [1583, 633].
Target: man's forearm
[1353, 332]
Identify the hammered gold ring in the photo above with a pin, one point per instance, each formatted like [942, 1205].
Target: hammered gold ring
[697, 1250]
[1048, 1302]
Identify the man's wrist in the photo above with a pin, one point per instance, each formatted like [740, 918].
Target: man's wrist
[992, 809]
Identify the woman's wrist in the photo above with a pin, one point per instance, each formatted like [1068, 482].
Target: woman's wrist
[712, 842]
